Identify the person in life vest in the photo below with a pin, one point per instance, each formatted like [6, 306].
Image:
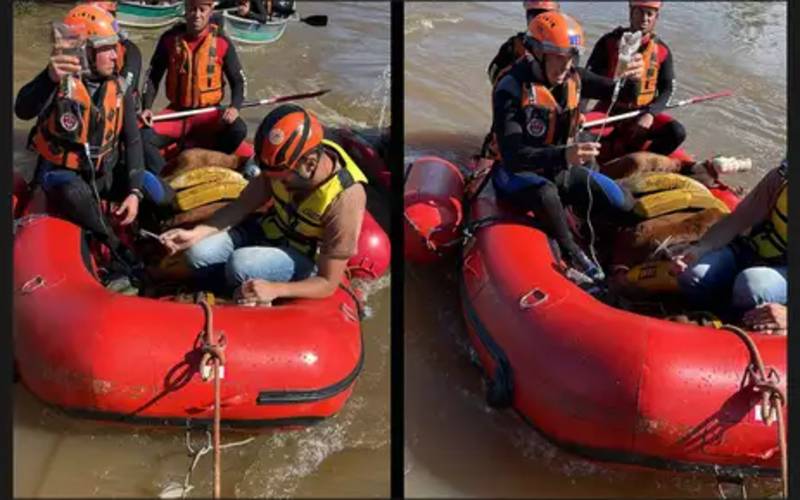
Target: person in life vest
[513, 49]
[301, 247]
[655, 87]
[83, 129]
[742, 259]
[129, 65]
[535, 123]
[197, 58]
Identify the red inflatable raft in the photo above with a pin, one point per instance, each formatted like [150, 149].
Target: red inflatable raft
[602, 382]
[99, 354]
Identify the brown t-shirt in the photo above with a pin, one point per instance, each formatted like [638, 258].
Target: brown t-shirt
[342, 223]
[750, 212]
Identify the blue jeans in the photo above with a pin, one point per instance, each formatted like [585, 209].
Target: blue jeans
[242, 253]
[723, 273]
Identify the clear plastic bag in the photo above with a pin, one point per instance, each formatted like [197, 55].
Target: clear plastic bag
[67, 41]
[628, 46]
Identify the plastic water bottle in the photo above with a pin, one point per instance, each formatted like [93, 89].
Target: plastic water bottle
[731, 164]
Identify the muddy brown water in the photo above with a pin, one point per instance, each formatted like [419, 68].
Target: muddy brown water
[455, 444]
[347, 455]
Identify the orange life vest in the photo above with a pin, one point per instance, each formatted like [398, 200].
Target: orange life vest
[194, 78]
[536, 96]
[73, 120]
[646, 90]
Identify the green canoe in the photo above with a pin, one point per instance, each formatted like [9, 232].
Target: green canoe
[141, 15]
[250, 31]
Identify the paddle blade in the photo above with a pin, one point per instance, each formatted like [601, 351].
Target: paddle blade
[315, 20]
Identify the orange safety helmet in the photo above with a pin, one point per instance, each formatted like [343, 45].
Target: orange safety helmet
[555, 33]
[94, 24]
[645, 3]
[285, 135]
[540, 5]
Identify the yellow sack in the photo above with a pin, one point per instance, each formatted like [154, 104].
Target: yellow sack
[653, 182]
[676, 200]
[660, 193]
[208, 193]
[204, 175]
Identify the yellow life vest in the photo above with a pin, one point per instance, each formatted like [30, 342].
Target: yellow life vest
[300, 224]
[771, 238]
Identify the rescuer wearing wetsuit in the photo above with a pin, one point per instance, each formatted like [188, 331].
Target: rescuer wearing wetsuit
[536, 116]
[654, 93]
[84, 115]
[514, 48]
[197, 58]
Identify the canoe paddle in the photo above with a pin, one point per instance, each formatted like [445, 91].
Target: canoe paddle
[246, 104]
[314, 20]
[633, 114]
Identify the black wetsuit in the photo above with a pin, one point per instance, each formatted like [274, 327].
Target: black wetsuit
[69, 192]
[534, 175]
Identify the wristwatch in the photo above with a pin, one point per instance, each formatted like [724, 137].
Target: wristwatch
[138, 193]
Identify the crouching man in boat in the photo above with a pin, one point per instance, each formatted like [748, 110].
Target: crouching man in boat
[654, 90]
[750, 269]
[86, 123]
[197, 58]
[301, 247]
[535, 121]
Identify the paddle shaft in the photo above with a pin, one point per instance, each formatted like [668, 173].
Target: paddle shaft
[246, 104]
[633, 114]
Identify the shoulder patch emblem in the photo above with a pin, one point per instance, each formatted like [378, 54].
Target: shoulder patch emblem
[536, 127]
[69, 122]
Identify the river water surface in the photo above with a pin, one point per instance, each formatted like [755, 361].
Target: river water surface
[348, 455]
[455, 444]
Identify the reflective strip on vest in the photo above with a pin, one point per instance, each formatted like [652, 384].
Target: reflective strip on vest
[300, 225]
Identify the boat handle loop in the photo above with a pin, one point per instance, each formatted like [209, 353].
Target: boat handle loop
[32, 285]
[532, 299]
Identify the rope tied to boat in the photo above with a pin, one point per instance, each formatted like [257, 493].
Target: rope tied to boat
[196, 455]
[767, 383]
[211, 364]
